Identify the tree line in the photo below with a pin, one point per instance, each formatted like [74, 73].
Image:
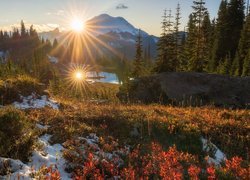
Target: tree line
[27, 51]
[219, 46]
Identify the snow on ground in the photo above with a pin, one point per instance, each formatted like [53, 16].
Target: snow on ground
[51, 155]
[39, 126]
[53, 59]
[16, 168]
[35, 102]
[219, 156]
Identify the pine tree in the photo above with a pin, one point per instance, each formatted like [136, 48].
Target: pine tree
[221, 37]
[211, 42]
[242, 51]
[149, 58]
[1, 40]
[23, 30]
[162, 53]
[183, 57]
[189, 43]
[34, 38]
[236, 19]
[177, 37]
[206, 40]
[55, 44]
[166, 55]
[225, 67]
[138, 62]
[196, 61]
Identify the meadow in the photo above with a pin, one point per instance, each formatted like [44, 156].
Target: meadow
[143, 141]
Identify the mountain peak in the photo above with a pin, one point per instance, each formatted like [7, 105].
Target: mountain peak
[105, 23]
[104, 16]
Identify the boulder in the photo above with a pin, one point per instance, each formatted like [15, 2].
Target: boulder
[189, 89]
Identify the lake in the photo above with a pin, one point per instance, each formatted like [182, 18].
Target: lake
[105, 77]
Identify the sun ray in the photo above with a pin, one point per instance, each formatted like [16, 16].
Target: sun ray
[105, 45]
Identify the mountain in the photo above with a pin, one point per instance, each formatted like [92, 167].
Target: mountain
[115, 33]
[105, 23]
[51, 35]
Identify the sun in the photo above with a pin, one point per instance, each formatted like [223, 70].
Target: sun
[79, 75]
[77, 25]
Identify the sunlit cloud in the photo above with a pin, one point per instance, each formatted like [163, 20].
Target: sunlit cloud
[38, 27]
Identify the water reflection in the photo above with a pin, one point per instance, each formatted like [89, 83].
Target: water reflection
[104, 77]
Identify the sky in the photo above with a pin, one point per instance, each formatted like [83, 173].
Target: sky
[49, 14]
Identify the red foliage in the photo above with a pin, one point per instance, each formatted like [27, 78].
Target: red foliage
[233, 166]
[194, 172]
[158, 164]
[211, 173]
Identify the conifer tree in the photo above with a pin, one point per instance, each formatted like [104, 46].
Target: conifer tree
[221, 37]
[162, 53]
[138, 62]
[1, 40]
[177, 39]
[166, 46]
[243, 48]
[55, 44]
[196, 61]
[211, 42]
[189, 43]
[149, 58]
[206, 40]
[236, 17]
[34, 38]
[23, 30]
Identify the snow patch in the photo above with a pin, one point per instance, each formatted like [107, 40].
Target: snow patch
[42, 127]
[35, 102]
[53, 60]
[14, 168]
[219, 156]
[52, 155]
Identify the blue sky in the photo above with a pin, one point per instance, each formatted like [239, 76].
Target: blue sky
[48, 14]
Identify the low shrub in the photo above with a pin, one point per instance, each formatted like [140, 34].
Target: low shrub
[16, 134]
[11, 88]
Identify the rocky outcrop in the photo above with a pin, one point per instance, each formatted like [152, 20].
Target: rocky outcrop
[187, 89]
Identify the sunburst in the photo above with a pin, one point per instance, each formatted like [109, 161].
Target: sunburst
[76, 77]
[77, 25]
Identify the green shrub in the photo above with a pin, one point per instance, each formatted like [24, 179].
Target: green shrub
[16, 134]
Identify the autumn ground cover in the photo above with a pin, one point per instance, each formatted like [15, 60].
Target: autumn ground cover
[166, 138]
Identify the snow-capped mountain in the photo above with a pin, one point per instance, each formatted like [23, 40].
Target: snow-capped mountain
[116, 32]
[105, 23]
